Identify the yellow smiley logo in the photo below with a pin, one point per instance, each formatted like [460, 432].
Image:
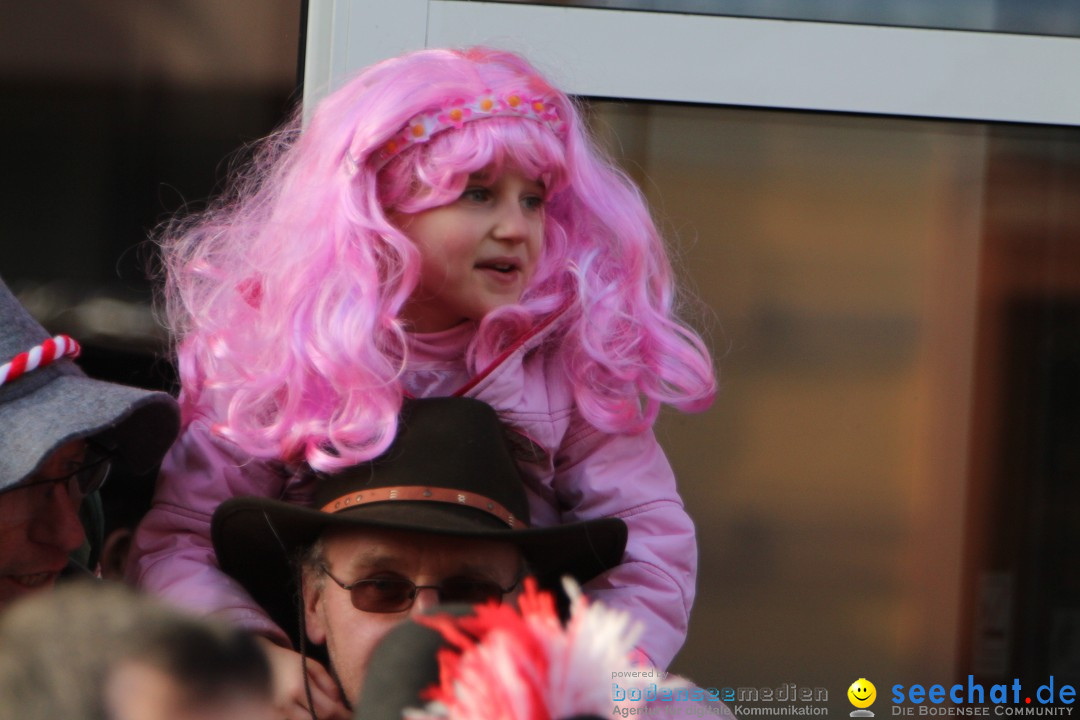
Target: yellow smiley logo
[862, 693]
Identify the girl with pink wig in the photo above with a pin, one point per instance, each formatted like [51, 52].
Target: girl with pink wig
[444, 225]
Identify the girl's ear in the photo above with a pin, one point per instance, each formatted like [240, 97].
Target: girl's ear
[397, 219]
[313, 617]
[114, 554]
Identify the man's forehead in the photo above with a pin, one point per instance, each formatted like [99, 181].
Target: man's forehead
[362, 551]
[368, 541]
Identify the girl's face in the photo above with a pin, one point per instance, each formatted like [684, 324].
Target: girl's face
[478, 252]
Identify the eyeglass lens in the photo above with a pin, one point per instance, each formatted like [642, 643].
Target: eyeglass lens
[92, 476]
[26, 501]
[85, 480]
[398, 594]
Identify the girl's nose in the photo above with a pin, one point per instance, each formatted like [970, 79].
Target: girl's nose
[56, 522]
[512, 223]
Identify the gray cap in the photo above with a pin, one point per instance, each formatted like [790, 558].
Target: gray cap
[51, 405]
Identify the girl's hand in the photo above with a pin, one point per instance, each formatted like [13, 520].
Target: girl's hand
[290, 699]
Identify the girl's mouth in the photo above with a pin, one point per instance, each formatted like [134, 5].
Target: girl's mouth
[505, 267]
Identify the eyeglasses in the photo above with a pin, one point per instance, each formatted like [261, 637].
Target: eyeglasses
[391, 595]
[80, 483]
[24, 501]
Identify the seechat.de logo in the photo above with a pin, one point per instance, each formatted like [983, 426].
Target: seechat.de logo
[975, 699]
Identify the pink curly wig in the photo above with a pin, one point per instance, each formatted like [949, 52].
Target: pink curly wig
[285, 296]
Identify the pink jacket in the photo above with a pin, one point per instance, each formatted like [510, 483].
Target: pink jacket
[575, 472]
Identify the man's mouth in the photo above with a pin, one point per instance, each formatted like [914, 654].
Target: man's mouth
[33, 581]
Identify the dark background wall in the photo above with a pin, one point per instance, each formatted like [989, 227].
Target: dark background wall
[117, 115]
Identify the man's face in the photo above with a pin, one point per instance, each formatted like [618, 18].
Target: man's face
[350, 635]
[39, 526]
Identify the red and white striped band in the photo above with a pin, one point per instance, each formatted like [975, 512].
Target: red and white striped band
[38, 357]
[414, 493]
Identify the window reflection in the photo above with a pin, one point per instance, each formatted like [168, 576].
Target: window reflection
[895, 308]
[1031, 17]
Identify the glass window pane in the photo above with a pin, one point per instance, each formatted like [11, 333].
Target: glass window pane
[1034, 17]
[895, 307]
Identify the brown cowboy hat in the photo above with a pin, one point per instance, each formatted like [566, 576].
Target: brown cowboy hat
[449, 471]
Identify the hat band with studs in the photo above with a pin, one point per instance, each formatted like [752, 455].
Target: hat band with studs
[424, 126]
[38, 357]
[414, 493]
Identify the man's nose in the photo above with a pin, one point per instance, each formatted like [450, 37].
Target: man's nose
[426, 599]
[56, 522]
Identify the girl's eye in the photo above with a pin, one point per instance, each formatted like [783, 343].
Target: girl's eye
[534, 202]
[476, 194]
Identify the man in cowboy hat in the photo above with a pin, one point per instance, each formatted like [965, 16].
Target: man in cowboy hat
[59, 432]
[442, 516]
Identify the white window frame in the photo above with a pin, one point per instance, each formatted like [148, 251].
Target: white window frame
[708, 59]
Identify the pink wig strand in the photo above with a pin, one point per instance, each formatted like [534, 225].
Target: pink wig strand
[285, 295]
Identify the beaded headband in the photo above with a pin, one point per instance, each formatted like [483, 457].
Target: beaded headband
[424, 126]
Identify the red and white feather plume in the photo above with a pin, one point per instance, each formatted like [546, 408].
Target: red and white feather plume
[507, 663]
